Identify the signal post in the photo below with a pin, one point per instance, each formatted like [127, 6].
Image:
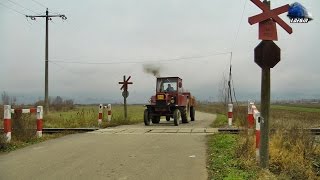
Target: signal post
[267, 55]
[125, 94]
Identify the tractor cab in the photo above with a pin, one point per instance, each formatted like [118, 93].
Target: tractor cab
[168, 85]
[167, 91]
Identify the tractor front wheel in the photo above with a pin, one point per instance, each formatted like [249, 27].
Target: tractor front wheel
[185, 114]
[168, 118]
[192, 113]
[146, 117]
[176, 117]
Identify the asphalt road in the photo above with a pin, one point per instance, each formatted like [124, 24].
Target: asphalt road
[135, 152]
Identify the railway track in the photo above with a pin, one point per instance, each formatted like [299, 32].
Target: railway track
[61, 130]
[313, 131]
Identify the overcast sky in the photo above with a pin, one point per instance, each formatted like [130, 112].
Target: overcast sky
[122, 31]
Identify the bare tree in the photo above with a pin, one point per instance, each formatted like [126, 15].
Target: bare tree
[5, 98]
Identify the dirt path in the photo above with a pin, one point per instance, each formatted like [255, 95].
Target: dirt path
[137, 152]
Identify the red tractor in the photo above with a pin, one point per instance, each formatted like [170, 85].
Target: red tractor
[170, 101]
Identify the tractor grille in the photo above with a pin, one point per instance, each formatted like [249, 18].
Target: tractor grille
[161, 103]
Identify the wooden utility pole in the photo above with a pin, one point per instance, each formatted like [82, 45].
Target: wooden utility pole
[46, 88]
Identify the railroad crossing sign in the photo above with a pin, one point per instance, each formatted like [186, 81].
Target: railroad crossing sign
[267, 54]
[125, 83]
[267, 20]
[125, 94]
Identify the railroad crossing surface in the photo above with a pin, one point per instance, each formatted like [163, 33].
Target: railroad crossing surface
[161, 151]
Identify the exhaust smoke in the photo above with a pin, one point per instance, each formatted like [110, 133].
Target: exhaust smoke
[152, 69]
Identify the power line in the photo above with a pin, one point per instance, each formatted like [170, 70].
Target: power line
[11, 9]
[142, 62]
[43, 5]
[237, 34]
[230, 82]
[17, 4]
[39, 3]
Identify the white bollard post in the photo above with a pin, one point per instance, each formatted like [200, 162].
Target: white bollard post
[109, 112]
[258, 119]
[39, 121]
[230, 107]
[100, 114]
[7, 122]
[250, 115]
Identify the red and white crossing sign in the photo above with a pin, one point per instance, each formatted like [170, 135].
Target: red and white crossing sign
[125, 83]
[268, 14]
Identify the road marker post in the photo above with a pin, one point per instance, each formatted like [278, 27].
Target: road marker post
[100, 115]
[250, 115]
[230, 114]
[258, 121]
[109, 112]
[39, 121]
[7, 122]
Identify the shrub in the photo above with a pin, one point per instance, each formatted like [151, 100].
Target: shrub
[23, 126]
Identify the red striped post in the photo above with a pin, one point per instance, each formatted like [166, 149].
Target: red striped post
[7, 122]
[39, 111]
[257, 118]
[109, 112]
[100, 115]
[230, 107]
[250, 115]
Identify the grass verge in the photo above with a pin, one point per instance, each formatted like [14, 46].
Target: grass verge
[223, 162]
[220, 121]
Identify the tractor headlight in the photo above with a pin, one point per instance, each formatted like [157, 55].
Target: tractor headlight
[172, 100]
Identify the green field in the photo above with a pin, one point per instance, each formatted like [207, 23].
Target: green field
[297, 108]
[87, 116]
[284, 116]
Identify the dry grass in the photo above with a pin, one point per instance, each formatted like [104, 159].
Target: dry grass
[294, 153]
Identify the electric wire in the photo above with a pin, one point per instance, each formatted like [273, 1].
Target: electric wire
[21, 6]
[142, 62]
[12, 9]
[234, 45]
[39, 3]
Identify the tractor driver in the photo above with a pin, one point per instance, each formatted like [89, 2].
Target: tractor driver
[169, 88]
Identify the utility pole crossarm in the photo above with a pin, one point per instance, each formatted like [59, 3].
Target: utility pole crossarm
[58, 15]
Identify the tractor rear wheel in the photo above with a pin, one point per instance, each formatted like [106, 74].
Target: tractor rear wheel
[155, 119]
[176, 117]
[146, 117]
[192, 113]
[185, 114]
[168, 118]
